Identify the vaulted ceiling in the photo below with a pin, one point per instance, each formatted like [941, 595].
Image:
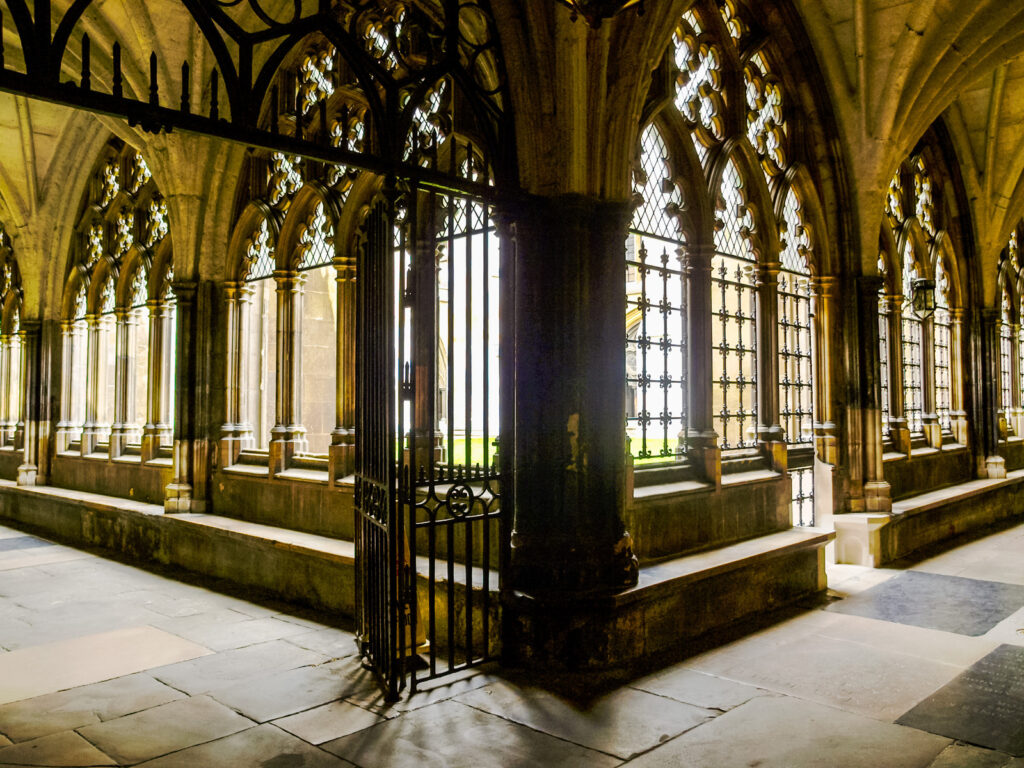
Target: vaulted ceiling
[891, 69]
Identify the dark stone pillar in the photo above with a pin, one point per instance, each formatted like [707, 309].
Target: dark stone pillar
[568, 394]
[876, 497]
[990, 463]
[188, 489]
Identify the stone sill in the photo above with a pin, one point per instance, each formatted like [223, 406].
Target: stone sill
[752, 476]
[318, 476]
[679, 573]
[930, 500]
[88, 500]
[247, 470]
[338, 550]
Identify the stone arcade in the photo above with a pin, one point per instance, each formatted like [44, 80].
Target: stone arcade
[504, 333]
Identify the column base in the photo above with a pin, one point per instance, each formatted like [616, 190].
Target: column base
[705, 456]
[877, 498]
[28, 474]
[559, 565]
[992, 467]
[178, 499]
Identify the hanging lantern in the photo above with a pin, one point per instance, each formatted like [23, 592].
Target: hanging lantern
[923, 297]
[596, 11]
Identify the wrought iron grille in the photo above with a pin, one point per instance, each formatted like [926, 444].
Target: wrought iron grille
[734, 319]
[942, 330]
[796, 375]
[802, 505]
[910, 339]
[1006, 361]
[942, 325]
[657, 383]
[448, 354]
[913, 407]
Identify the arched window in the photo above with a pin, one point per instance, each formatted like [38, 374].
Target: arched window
[656, 312]
[714, 173]
[734, 317]
[796, 357]
[1006, 344]
[910, 340]
[118, 323]
[883, 344]
[924, 367]
[319, 328]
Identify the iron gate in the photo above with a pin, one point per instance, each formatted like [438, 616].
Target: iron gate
[429, 529]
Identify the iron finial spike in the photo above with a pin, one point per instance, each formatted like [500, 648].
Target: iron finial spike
[186, 105]
[85, 63]
[214, 86]
[154, 92]
[117, 71]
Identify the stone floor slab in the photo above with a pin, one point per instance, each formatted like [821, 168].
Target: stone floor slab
[22, 542]
[58, 749]
[269, 697]
[453, 735]
[263, 745]
[331, 721]
[333, 643]
[937, 601]
[84, 705]
[982, 706]
[167, 728]
[82, 660]
[782, 732]
[697, 688]
[229, 667]
[623, 723]
[858, 678]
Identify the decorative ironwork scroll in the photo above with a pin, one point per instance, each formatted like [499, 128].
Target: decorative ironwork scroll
[386, 57]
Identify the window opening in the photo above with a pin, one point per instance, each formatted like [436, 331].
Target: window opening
[734, 315]
[942, 325]
[913, 386]
[656, 312]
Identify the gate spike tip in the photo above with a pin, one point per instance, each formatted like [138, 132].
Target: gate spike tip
[117, 89]
[186, 105]
[154, 90]
[85, 63]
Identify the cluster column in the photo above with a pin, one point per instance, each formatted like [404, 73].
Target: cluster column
[31, 377]
[236, 431]
[703, 450]
[341, 455]
[990, 463]
[288, 437]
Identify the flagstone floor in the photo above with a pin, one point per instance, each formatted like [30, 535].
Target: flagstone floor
[102, 663]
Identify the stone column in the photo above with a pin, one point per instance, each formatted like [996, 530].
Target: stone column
[957, 412]
[824, 323]
[990, 463]
[568, 395]
[288, 437]
[7, 420]
[875, 487]
[92, 431]
[702, 441]
[899, 430]
[236, 432]
[929, 419]
[181, 494]
[31, 375]
[770, 436]
[341, 456]
[123, 389]
[158, 419]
